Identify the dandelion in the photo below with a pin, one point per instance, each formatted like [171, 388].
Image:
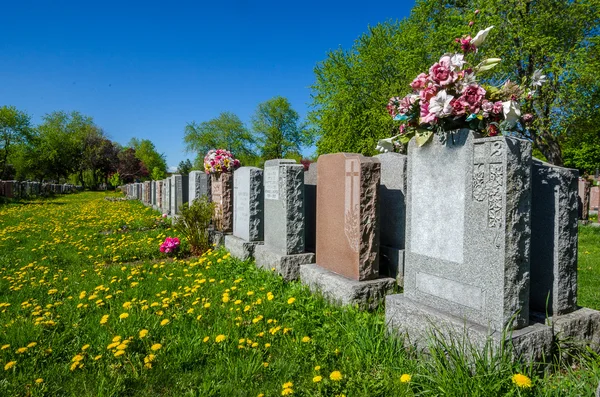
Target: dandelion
[116, 338]
[143, 333]
[405, 378]
[207, 305]
[291, 300]
[104, 319]
[164, 322]
[9, 365]
[77, 358]
[220, 338]
[287, 392]
[335, 376]
[206, 339]
[521, 381]
[156, 346]
[119, 353]
[123, 316]
[32, 344]
[287, 385]
[39, 380]
[317, 379]
[306, 339]
[318, 367]
[98, 357]
[85, 347]
[127, 305]
[21, 350]
[4, 347]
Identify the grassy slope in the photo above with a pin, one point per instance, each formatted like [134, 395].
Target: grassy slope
[67, 262]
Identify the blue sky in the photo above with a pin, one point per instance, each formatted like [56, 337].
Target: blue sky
[146, 69]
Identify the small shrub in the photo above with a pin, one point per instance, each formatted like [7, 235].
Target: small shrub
[193, 224]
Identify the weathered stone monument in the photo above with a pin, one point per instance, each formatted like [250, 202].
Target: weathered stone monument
[222, 196]
[153, 194]
[179, 193]
[284, 247]
[310, 207]
[595, 198]
[166, 196]
[199, 185]
[584, 199]
[392, 198]
[347, 242]
[248, 216]
[468, 243]
[159, 188]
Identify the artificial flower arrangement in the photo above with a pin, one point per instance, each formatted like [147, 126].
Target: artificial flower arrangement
[171, 244]
[450, 96]
[220, 160]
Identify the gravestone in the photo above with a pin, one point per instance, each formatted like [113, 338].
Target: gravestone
[594, 198]
[248, 217]
[468, 244]
[179, 193]
[347, 242]
[166, 199]
[310, 207]
[584, 199]
[392, 198]
[222, 196]
[283, 247]
[159, 188]
[153, 194]
[199, 185]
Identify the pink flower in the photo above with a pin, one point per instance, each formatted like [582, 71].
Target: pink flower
[428, 92]
[441, 73]
[164, 215]
[477, 12]
[527, 118]
[472, 98]
[498, 107]
[457, 108]
[471, 23]
[487, 107]
[402, 128]
[426, 117]
[419, 82]
[465, 44]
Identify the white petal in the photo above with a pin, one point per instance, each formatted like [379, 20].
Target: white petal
[480, 37]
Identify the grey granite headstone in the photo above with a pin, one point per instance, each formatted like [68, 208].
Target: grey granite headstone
[153, 193]
[392, 199]
[199, 185]
[248, 222]
[284, 219]
[166, 208]
[310, 207]
[553, 239]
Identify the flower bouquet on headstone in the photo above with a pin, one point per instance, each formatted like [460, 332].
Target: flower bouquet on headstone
[220, 160]
[453, 95]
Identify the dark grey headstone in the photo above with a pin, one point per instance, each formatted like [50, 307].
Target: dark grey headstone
[248, 222]
[310, 207]
[199, 185]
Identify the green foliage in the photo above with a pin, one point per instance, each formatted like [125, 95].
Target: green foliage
[224, 132]
[115, 179]
[276, 125]
[146, 152]
[158, 173]
[193, 224]
[15, 129]
[185, 167]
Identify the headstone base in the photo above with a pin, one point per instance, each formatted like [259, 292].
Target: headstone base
[418, 321]
[581, 326]
[344, 291]
[391, 263]
[240, 248]
[288, 266]
[216, 237]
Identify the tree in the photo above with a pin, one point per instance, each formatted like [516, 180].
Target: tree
[276, 125]
[15, 129]
[131, 167]
[184, 167]
[224, 132]
[146, 152]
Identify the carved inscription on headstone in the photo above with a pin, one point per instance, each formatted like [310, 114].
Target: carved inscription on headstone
[271, 183]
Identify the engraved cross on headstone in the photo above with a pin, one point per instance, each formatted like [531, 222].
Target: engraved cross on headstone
[488, 178]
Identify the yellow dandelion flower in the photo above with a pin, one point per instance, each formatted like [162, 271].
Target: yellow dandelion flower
[265, 364]
[143, 333]
[9, 365]
[405, 378]
[291, 300]
[287, 385]
[207, 305]
[104, 319]
[119, 353]
[98, 357]
[127, 305]
[287, 392]
[206, 339]
[39, 380]
[318, 367]
[122, 346]
[77, 358]
[32, 344]
[4, 347]
[306, 339]
[522, 381]
[116, 338]
[21, 350]
[317, 379]
[267, 345]
[85, 347]
[123, 316]
[335, 376]
[220, 338]
[164, 322]
[156, 346]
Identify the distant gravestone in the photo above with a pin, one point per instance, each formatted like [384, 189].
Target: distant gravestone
[595, 198]
[199, 185]
[159, 189]
[153, 193]
[166, 196]
[248, 216]
[222, 196]
[284, 247]
[347, 242]
[310, 207]
[583, 187]
[553, 239]
[468, 243]
[392, 198]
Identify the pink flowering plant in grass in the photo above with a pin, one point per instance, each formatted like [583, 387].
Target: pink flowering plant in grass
[220, 160]
[170, 245]
[452, 95]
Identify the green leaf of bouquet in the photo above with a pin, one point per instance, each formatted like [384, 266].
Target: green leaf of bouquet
[423, 137]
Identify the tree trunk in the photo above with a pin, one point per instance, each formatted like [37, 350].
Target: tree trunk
[549, 146]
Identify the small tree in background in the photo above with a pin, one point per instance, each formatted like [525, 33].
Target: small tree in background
[185, 167]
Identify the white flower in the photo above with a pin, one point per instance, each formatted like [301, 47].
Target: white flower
[457, 61]
[512, 112]
[538, 78]
[385, 145]
[480, 37]
[440, 104]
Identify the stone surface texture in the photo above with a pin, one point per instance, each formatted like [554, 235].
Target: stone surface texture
[583, 188]
[199, 185]
[392, 203]
[222, 196]
[310, 207]
[468, 228]
[153, 192]
[368, 294]
[347, 240]
[288, 266]
[553, 239]
[284, 206]
[241, 248]
[248, 213]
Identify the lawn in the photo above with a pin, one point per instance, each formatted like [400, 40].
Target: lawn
[90, 307]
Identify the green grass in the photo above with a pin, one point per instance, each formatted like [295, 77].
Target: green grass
[67, 262]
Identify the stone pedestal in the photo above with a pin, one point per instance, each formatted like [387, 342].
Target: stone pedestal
[240, 248]
[222, 196]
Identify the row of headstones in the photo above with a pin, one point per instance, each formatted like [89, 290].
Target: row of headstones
[482, 237]
[23, 189]
[589, 199]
